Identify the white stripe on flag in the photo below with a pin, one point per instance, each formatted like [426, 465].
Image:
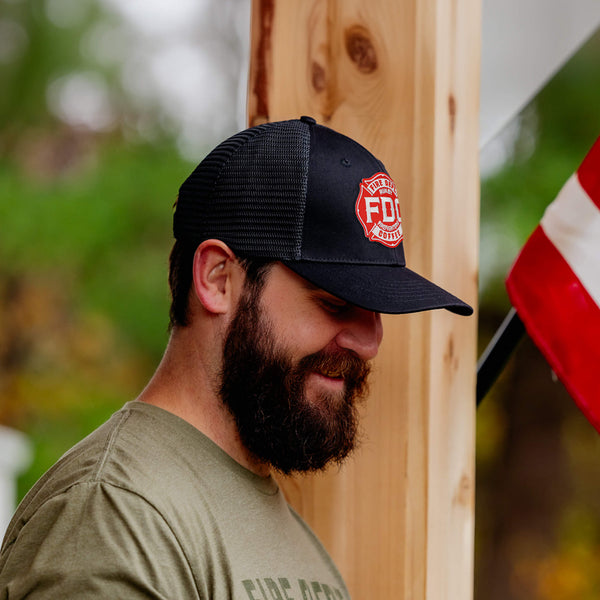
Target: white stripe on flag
[572, 223]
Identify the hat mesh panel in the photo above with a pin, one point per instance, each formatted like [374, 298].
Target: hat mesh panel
[250, 192]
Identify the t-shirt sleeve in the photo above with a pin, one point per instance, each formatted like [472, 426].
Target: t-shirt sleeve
[96, 541]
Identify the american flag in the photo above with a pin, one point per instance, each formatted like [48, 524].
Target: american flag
[554, 285]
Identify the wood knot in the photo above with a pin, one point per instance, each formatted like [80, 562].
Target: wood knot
[360, 49]
[318, 77]
[452, 111]
[464, 492]
[449, 356]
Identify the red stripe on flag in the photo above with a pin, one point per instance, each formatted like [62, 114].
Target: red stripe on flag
[589, 173]
[561, 317]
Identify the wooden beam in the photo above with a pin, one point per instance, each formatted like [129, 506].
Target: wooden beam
[401, 77]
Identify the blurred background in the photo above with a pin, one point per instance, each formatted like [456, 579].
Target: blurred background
[105, 107]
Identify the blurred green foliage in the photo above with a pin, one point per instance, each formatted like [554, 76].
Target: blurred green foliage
[85, 220]
[84, 260]
[106, 229]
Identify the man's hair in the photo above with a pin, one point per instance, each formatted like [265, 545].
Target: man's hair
[181, 263]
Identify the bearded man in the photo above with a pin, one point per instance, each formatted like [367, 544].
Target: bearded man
[288, 248]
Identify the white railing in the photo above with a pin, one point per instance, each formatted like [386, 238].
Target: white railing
[15, 457]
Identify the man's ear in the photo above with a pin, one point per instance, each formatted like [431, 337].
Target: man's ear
[217, 276]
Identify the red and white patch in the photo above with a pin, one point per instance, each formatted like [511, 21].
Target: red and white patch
[378, 210]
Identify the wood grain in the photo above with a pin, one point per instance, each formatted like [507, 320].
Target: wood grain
[400, 77]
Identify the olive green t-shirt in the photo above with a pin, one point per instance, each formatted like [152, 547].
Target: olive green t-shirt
[148, 507]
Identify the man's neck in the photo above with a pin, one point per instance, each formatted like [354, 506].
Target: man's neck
[186, 384]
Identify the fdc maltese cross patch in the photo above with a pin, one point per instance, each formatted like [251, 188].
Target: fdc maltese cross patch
[378, 210]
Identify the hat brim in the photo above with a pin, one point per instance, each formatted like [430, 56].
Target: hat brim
[388, 289]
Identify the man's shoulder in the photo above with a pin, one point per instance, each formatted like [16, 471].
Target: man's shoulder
[141, 449]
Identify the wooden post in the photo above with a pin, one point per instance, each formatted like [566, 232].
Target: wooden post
[401, 77]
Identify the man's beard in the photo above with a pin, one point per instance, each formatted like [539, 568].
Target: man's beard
[265, 392]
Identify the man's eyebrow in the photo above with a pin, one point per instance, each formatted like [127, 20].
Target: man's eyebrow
[311, 287]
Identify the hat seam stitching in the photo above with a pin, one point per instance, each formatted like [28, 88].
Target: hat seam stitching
[242, 145]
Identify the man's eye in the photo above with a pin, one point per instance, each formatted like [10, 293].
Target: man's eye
[335, 307]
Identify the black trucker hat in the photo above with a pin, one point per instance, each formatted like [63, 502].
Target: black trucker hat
[317, 201]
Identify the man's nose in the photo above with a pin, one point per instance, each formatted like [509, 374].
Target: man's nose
[362, 333]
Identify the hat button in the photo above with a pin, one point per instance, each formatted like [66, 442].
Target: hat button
[308, 120]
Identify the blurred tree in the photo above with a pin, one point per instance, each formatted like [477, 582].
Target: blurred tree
[85, 207]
